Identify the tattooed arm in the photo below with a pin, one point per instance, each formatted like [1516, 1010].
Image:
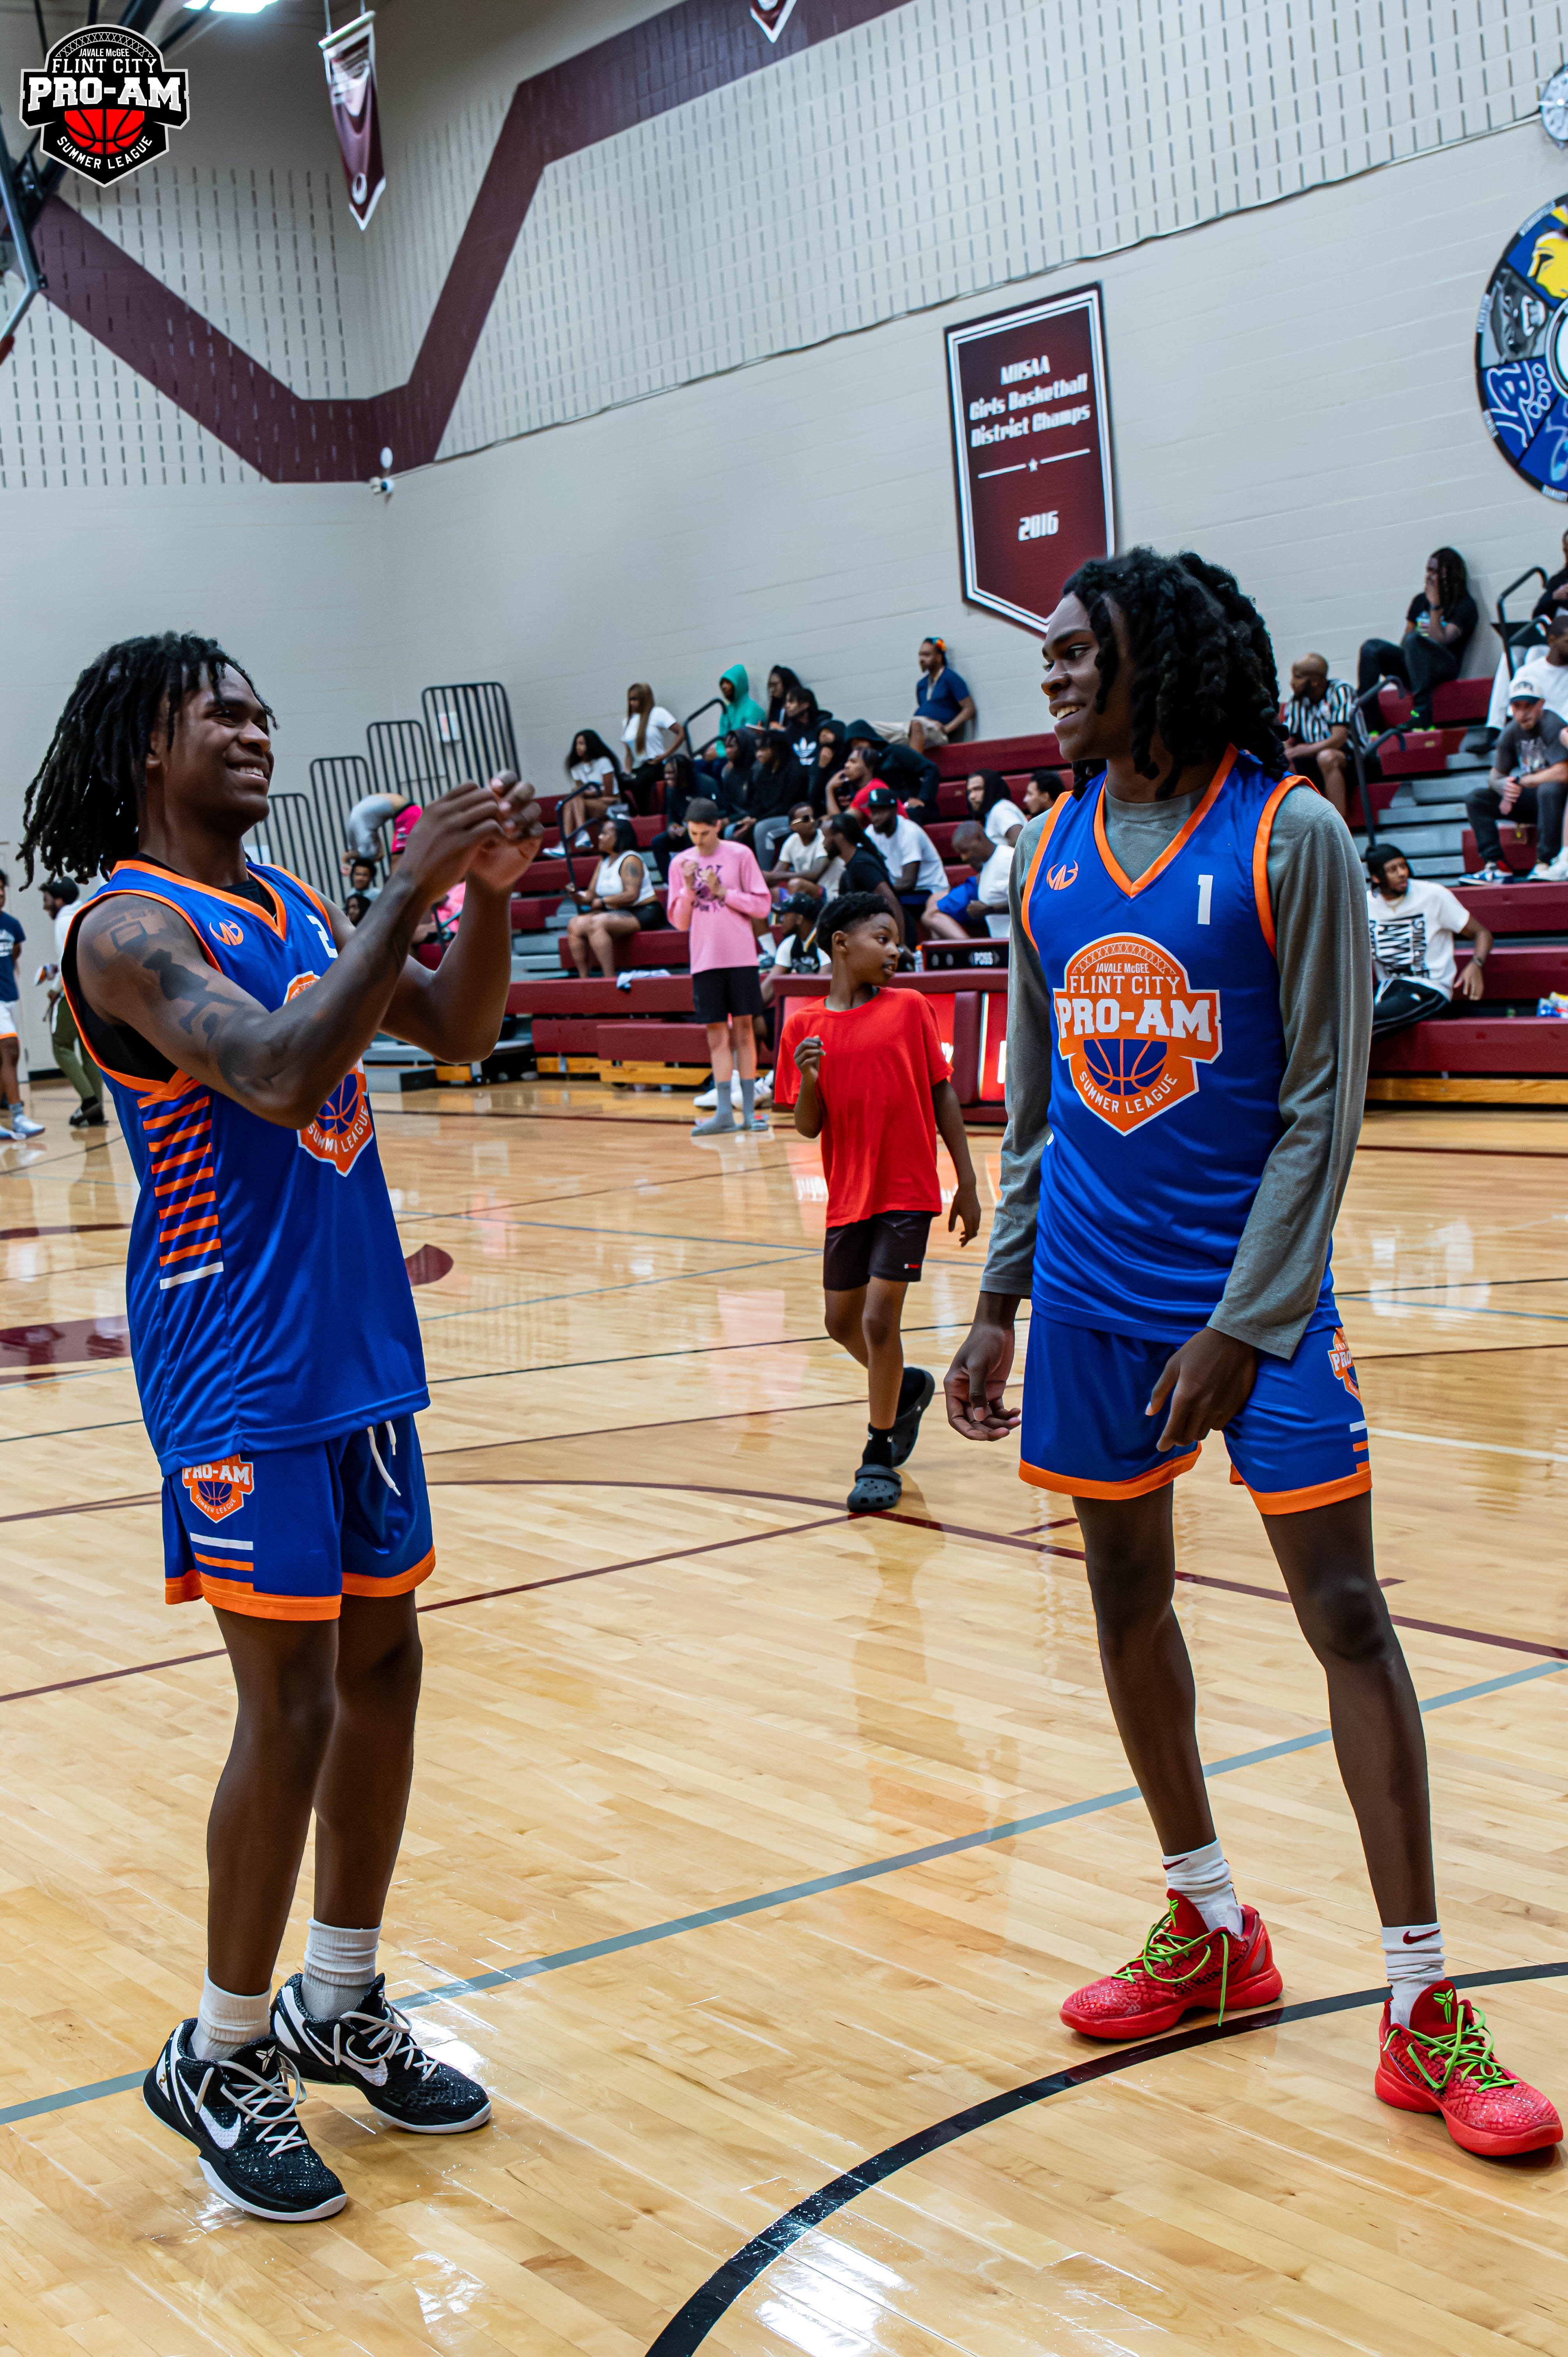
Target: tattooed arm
[140, 963]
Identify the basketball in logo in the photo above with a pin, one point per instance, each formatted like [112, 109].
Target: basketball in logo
[344, 1126]
[105, 130]
[1132, 1028]
[220, 1490]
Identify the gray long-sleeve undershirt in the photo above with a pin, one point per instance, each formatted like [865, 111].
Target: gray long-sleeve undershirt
[1318, 894]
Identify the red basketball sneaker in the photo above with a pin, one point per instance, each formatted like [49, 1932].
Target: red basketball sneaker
[1185, 1968]
[1443, 2063]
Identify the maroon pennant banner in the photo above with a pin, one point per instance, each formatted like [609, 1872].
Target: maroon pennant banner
[350, 61]
[772, 16]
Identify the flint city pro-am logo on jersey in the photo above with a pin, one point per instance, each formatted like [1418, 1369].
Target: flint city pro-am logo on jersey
[1340, 1360]
[1133, 1029]
[344, 1126]
[772, 16]
[220, 1489]
[103, 102]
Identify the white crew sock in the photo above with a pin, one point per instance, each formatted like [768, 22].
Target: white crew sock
[339, 1966]
[225, 2022]
[1414, 1954]
[1202, 1875]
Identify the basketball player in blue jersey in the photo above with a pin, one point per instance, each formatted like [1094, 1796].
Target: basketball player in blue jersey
[1187, 1052]
[276, 1350]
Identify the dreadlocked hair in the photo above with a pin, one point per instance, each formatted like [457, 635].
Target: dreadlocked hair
[83, 809]
[1203, 664]
[1452, 582]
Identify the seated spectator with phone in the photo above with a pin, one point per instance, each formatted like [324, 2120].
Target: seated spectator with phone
[1529, 782]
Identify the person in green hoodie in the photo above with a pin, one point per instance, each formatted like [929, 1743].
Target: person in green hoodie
[741, 707]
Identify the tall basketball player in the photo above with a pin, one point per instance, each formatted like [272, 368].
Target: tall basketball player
[1187, 1033]
[276, 1350]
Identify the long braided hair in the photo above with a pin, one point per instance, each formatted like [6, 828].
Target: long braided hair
[1204, 667]
[83, 809]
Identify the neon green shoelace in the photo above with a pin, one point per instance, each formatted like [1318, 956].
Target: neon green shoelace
[1469, 2048]
[1162, 1957]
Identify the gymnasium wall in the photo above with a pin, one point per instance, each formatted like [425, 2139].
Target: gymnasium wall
[704, 414]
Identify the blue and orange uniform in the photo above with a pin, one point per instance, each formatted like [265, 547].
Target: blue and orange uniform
[1168, 1053]
[273, 1327]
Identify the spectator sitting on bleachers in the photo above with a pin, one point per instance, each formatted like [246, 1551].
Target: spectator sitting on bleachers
[943, 705]
[1529, 780]
[1517, 657]
[1320, 719]
[915, 779]
[830, 745]
[742, 709]
[729, 788]
[1042, 790]
[912, 858]
[856, 863]
[777, 783]
[795, 950]
[682, 787]
[650, 733]
[363, 874]
[596, 775]
[960, 915]
[801, 857]
[992, 804]
[782, 683]
[804, 720]
[862, 748]
[356, 908]
[1414, 925]
[619, 902]
[1439, 625]
[1544, 669]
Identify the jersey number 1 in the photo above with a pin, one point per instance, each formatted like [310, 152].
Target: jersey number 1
[1205, 895]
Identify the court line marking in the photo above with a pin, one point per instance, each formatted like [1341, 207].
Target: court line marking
[617, 1943]
[632, 1284]
[691, 2326]
[1486, 1448]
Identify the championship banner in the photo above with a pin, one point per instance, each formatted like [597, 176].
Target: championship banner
[350, 61]
[1031, 431]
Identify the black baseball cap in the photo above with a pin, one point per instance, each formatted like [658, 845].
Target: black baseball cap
[882, 798]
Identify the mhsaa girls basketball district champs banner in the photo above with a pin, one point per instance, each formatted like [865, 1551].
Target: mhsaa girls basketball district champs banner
[1031, 428]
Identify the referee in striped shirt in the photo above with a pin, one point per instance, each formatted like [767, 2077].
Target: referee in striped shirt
[1319, 718]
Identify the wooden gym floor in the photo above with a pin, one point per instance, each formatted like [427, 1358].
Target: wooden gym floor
[765, 1843]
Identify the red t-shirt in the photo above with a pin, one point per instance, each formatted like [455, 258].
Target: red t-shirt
[880, 1062]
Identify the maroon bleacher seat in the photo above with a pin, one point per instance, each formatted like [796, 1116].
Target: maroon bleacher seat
[1521, 970]
[565, 1035]
[1424, 753]
[1518, 909]
[1518, 849]
[1011, 755]
[1501, 1044]
[1461, 703]
[660, 946]
[659, 1043]
[653, 993]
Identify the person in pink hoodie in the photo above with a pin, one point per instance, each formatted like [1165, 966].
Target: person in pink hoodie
[716, 890]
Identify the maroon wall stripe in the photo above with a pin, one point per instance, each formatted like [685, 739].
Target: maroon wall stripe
[687, 53]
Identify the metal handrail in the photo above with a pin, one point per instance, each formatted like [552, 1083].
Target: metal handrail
[691, 745]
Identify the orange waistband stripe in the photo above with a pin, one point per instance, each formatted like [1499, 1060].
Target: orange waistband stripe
[1077, 1485]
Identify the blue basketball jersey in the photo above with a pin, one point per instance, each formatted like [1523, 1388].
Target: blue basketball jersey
[1167, 1055]
[267, 1296]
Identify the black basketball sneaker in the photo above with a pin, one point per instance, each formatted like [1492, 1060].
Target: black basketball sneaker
[373, 2049]
[243, 2116]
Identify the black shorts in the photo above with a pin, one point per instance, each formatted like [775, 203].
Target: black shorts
[649, 915]
[725, 990]
[891, 1244]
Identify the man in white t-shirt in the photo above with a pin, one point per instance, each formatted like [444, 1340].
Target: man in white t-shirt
[802, 856]
[1414, 925]
[913, 860]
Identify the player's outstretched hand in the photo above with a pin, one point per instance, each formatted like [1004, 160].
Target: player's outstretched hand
[965, 1207]
[1206, 1382]
[977, 1378]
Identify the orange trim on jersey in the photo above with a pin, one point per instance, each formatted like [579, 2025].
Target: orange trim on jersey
[308, 889]
[187, 1227]
[190, 1204]
[1323, 1494]
[186, 1251]
[191, 1179]
[145, 1092]
[176, 1162]
[277, 918]
[203, 1129]
[1177, 844]
[229, 1596]
[1076, 1485]
[359, 1582]
[1052, 815]
[186, 1589]
[176, 1111]
[1261, 854]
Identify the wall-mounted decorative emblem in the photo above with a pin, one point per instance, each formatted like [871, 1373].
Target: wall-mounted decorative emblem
[1521, 351]
[103, 102]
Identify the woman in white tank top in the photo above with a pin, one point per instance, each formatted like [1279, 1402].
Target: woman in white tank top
[619, 901]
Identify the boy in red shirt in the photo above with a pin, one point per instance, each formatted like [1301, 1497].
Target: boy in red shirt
[866, 1073]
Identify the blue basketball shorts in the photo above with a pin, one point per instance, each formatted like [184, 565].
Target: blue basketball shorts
[1300, 1442]
[287, 1534]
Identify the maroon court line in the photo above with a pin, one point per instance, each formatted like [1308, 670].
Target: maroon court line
[1505, 1153]
[686, 53]
[86, 1228]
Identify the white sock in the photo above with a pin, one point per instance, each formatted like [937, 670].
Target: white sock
[339, 1966]
[1202, 1875]
[225, 2022]
[1413, 1955]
